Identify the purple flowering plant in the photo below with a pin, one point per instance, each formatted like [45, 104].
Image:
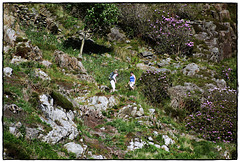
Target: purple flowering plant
[171, 34]
[216, 118]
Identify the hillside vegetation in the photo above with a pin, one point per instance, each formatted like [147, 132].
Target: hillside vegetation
[58, 102]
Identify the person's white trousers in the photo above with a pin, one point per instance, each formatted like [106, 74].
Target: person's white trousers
[113, 84]
[131, 84]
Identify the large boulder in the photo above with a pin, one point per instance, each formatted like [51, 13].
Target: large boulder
[75, 148]
[26, 50]
[191, 69]
[101, 102]
[178, 93]
[131, 110]
[115, 35]
[61, 121]
[65, 61]
[52, 26]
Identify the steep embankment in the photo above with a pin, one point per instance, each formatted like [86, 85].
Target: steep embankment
[56, 106]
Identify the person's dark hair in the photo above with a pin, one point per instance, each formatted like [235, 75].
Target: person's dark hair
[131, 72]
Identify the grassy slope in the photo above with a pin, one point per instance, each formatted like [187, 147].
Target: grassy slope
[189, 149]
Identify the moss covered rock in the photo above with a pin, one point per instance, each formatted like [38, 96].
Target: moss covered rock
[62, 101]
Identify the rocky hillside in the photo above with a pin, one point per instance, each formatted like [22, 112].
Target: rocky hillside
[58, 103]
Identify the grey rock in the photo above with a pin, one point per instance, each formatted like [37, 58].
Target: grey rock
[146, 54]
[155, 133]
[150, 138]
[135, 144]
[41, 74]
[32, 133]
[224, 14]
[46, 63]
[168, 140]
[221, 83]
[202, 36]
[191, 69]
[63, 60]
[13, 108]
[65, 127]
[17, 60]
[74, 148]
[98, 157]
[151, 111]
[178, 93]
[115, 35]
[7, 71]
[165, 148]
[18, 125]
[10, 35]
[210, 86]
[15, 132]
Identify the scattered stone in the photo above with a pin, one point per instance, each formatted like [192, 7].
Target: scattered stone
[97, 157]
[46, 63]
[13, 108]
[155, 133]
[178, 93]
[17, 60]
[9, 35]
[41, 74]
[150, 138]
[15, 132]
[224, 14]
[135, 144]
[221, 83]
[7, 71]
[168, 140]
[165, 148]
[151, 111]
[151, 68]
[74, 148]
[164, 62]
[18, 125]
[146, 54]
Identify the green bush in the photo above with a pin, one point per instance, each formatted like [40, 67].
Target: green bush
[217, 118]
[228, 73]
[101, 16]
[154, 85]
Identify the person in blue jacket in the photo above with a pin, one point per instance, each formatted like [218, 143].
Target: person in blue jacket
[132, 80]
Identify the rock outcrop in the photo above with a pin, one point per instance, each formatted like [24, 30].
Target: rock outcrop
[61, 122]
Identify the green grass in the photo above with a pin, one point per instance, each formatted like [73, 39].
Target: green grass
[19, 148]
[100, 67]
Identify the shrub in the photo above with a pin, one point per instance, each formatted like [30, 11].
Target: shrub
[154, 86]
[101, 16]
[133, 18]
[229, 75]
[216, 119]
[171, 35]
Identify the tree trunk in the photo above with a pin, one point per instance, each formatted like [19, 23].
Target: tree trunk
[81, 49]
